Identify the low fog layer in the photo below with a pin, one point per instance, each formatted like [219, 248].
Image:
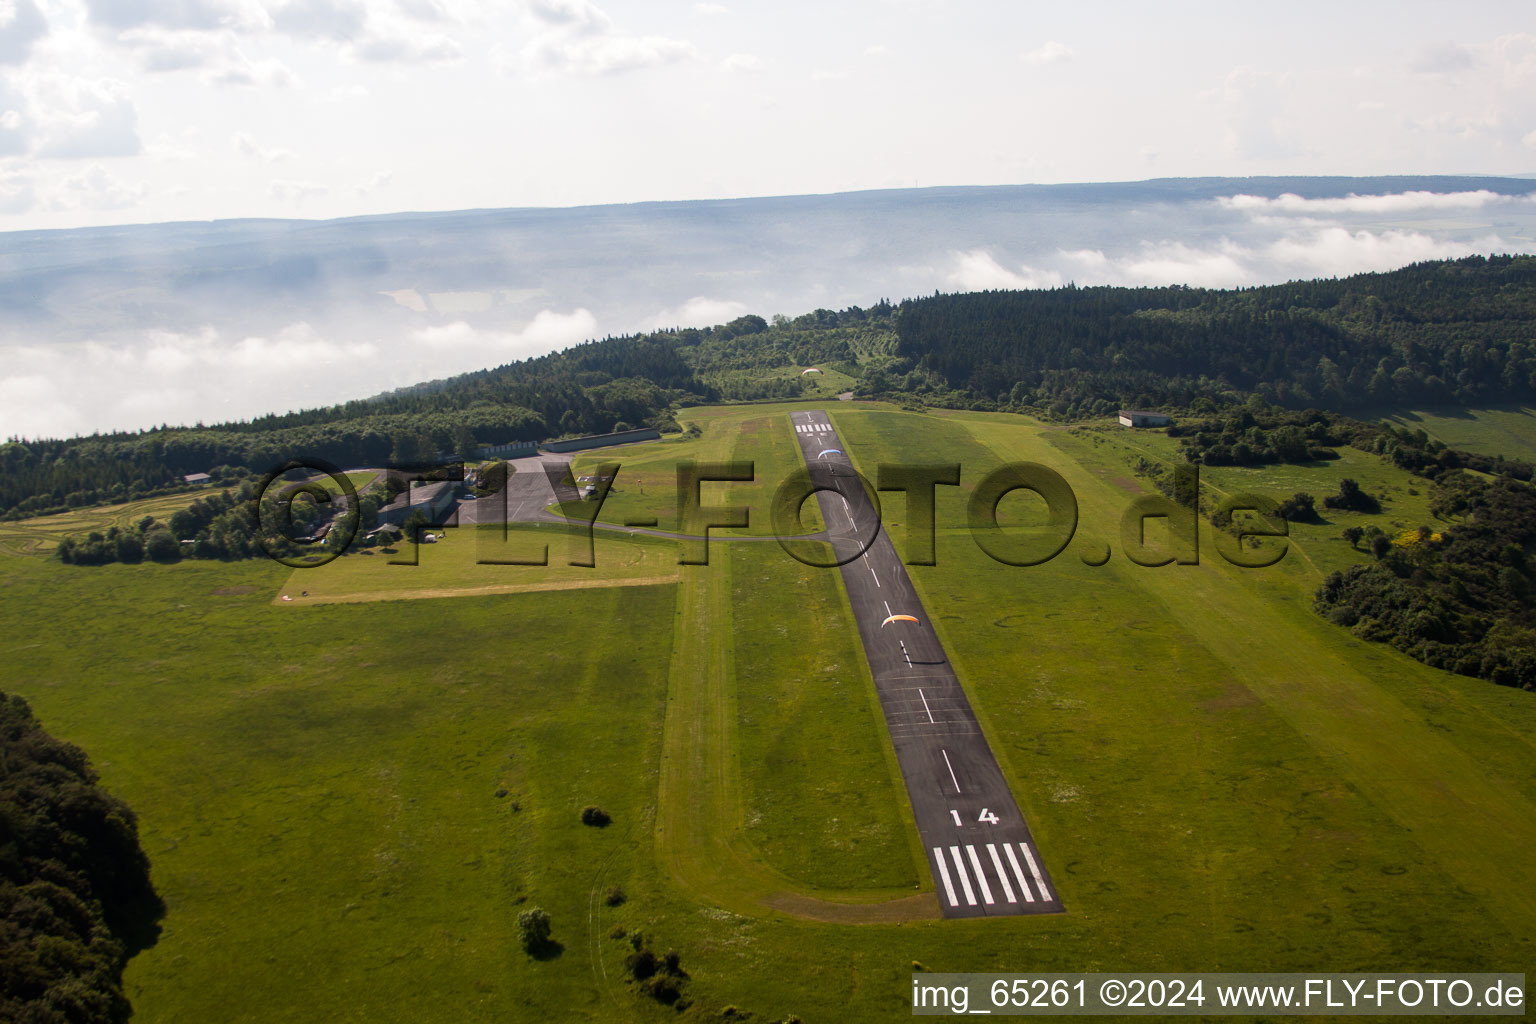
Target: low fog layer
[122, 328]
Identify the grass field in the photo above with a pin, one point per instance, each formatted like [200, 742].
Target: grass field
[465, 563]
[1506, 430]
[1217, 778]
[646, 485]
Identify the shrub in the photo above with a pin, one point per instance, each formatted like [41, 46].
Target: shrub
[1298, 508]
[614, 896]
[663, 989]
[595, 816]
[533, 930]
[641, 964]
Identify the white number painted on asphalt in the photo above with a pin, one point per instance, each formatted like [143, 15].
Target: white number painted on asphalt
[957, 817]
[987, 816]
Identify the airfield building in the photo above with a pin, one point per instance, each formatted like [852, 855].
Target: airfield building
[577, 444]
[435, 500]
[1137, 418]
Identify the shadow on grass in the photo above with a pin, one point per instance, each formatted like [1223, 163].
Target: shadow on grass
[549, 949]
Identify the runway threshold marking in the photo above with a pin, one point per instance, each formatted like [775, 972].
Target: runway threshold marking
[1034, 870]
[949, 887]
[981, 878]
[1018, 873]
[965, 880]
[1002, 876]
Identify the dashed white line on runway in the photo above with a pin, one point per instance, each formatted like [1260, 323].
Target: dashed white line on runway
[957, 785]
[925, 708]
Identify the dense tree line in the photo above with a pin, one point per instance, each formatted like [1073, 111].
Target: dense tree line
[1461, 331]
[75, 895]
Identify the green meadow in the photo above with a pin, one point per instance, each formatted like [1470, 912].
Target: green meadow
[348, 800]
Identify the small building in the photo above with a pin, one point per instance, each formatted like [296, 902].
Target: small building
[434, 500]
[1138, 418]
[197, 478]
[578, 444]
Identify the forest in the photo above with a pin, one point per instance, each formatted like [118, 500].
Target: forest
[75, 896]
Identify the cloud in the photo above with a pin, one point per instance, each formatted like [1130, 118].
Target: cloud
[162, 376]
[238, 69]
[575, 37]
[246, 146]
[977, 270]
[710, 9]
[742, 62]
[82, 118]
[21, 25]
[607, 55]
[376, 181]
[1530, 139]
[1050, 53]
[1253, 105]
[574, 15]
[468, 347]
[1329, 251]
[295, 191]
[1392, 203]
[1441, 59]
[337, 20]
[697, 312]
[424, 10]
[94, 188]
[177, 14]
[407, 49]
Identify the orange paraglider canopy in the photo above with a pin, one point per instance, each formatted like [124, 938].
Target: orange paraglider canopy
[898, 618]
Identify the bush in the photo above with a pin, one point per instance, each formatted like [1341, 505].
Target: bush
[641, 964]
[1298, 508]
[663, 989]
[614, 896]
[161, 545]
[595, 816]
[533, 930]
[1351, 498]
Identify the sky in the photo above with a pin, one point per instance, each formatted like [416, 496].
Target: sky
[133, 111]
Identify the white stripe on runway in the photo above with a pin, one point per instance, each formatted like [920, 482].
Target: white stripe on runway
[965, 882]
[925, 705]
[949, 887]
[872, 569]
[1034, 870]
[981, 877]
[1018, 873]
[1002, 876]
[951, 769]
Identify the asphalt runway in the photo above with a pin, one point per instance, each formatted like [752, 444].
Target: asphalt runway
[980, 850]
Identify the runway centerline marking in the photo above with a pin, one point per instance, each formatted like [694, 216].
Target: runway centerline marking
[957, 786]
[925, 708]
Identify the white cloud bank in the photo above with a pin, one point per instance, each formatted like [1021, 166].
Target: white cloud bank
[159, 376]
[1307, 238]
[1324, 252]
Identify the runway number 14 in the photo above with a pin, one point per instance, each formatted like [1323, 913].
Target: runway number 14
[985, 816]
